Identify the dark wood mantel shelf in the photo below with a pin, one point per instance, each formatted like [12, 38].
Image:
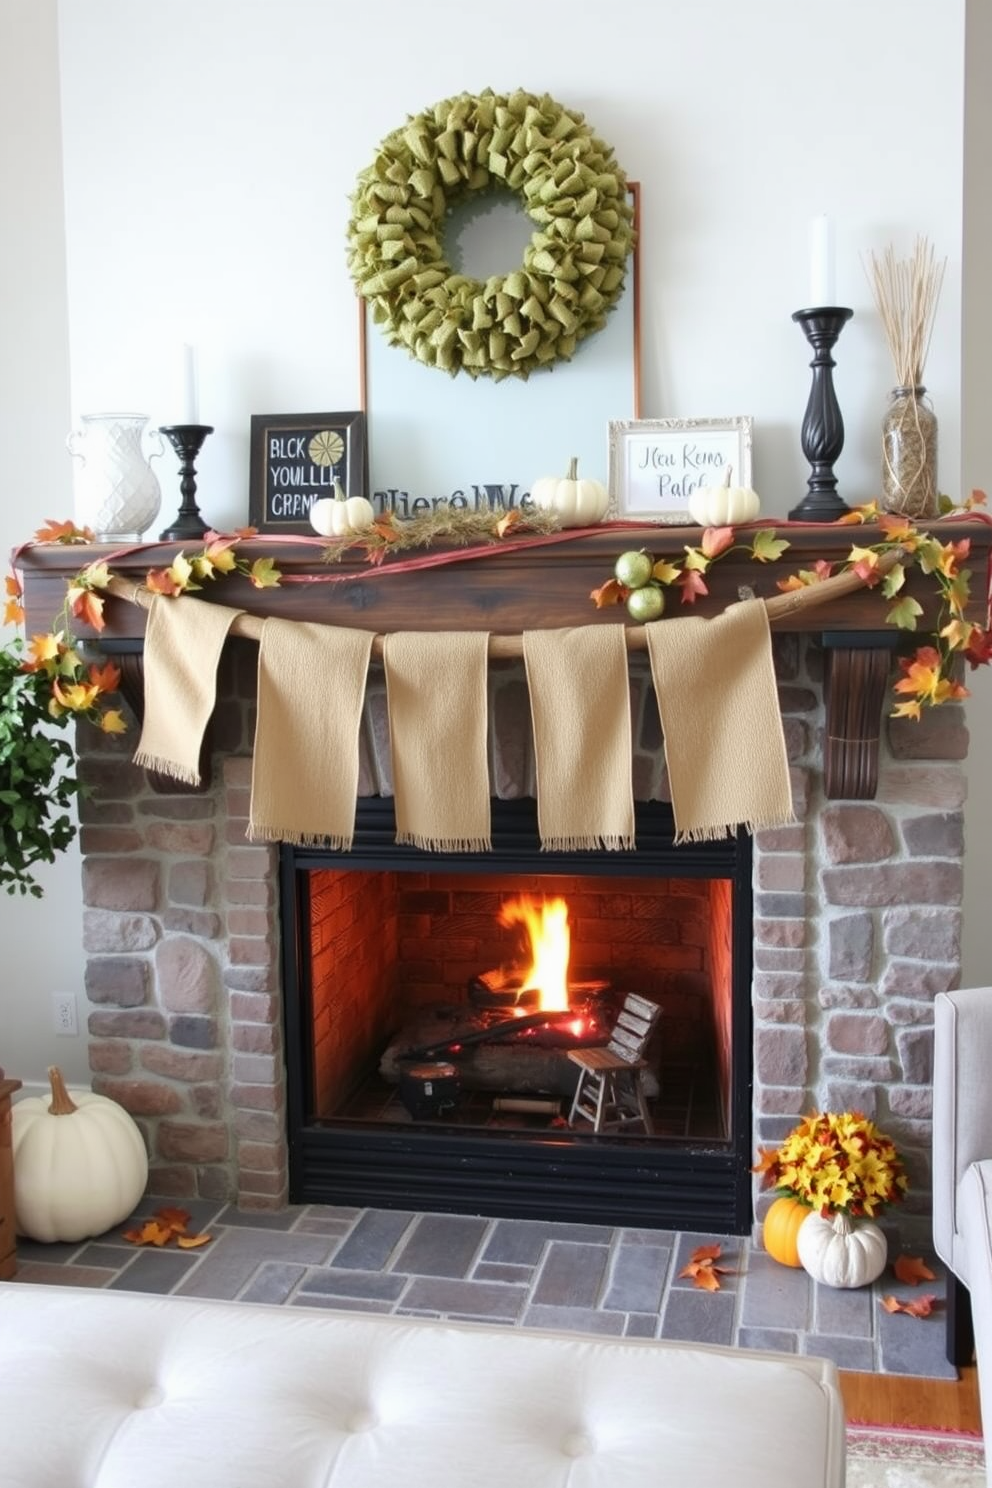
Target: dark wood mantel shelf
[547, 586]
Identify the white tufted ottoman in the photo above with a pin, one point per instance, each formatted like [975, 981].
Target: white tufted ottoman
[115, 1390]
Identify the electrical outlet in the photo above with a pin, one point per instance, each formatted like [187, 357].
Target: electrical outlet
[65, 1020]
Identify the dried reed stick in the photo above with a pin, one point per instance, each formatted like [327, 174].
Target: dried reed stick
[906, 292]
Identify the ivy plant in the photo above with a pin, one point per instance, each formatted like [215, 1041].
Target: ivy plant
[38, 783]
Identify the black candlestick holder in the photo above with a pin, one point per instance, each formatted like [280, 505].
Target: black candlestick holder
[823, 427]
[186, 440]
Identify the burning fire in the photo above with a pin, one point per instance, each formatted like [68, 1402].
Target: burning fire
[546, 923]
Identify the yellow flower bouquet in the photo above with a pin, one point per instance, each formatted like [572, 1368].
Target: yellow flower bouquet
[836, 1164]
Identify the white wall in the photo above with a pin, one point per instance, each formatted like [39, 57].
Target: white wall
[210, 146]
[39, 939]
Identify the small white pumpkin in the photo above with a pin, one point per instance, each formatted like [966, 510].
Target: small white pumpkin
[841, 1254]
[723, 505]
[577, 503]
[80, 1164]
[340, 515]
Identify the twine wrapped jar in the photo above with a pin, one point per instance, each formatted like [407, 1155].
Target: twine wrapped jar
[909, 454]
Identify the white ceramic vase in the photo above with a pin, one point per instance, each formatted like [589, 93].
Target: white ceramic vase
[117, 493]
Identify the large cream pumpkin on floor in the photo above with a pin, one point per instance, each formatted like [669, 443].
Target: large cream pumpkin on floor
[80, 1164]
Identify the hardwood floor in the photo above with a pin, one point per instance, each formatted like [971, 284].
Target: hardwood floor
[899, 1400]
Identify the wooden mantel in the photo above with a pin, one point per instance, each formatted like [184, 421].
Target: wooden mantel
[547, 586]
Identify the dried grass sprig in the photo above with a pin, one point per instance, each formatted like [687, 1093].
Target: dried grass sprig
[907, 292]
[461, 528]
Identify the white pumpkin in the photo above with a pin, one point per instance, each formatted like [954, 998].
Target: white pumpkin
[577, 503]
[842, 1254]
[80, 1164]
[723, 505]
[340, 515]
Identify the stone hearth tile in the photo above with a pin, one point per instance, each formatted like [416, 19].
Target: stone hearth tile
[273, 1282]
[845, 1312]
[55, 1253]
[908, 1345]
[260, 1219]
[340, 1304]
[572, 1275]
[479, 1299]
[575, 1320]
[522, 1241]
[488, 1322]
[648, 1237]
[642, 1325]
[99, 1254]
[776, 1339]
[62, 1275]
[694, 1316]
[497, 1271]
[378, 1286]
[160, 1272]
[774, 1291]
[372, 1242]
[441, 1245]
[229, 1263]
[847, 1353]
[637, 1278]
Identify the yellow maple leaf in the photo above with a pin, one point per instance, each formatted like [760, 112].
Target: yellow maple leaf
[264, 574]
[112, 721]
[665, 572]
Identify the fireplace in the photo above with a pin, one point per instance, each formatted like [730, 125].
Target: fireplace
[852, 913]
[383, 948]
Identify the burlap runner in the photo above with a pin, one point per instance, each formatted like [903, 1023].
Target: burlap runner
[580, 707]
[724, 746]
[183, 641]
[304, 778]
[436, 695]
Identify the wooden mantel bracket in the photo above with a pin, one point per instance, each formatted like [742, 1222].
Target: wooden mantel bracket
[855, 687]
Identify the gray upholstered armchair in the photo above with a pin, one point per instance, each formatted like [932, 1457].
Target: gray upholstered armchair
[962, 1173]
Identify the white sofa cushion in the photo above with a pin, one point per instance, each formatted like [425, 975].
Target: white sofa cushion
[117, 1390]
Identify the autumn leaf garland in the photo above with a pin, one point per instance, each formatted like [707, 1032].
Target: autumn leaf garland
[929, 676]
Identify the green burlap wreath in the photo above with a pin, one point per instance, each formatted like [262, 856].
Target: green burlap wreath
[573, 268]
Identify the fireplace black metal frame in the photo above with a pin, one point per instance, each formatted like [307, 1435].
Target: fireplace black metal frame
[582, 1178]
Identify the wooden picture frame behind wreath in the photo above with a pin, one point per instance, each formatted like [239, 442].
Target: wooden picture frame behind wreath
[296, 459]
[656, 464]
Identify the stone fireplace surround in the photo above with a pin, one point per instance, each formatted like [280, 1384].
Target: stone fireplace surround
[856, 906]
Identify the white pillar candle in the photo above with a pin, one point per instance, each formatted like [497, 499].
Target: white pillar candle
[191, 402]
[822, 288]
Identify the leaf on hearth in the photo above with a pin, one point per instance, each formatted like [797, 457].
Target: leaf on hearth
[177, 1219]
[610, 593]
[912, 1270]
[703, 1270]
[192, 1242]
[151, 1232]
[919, 1307]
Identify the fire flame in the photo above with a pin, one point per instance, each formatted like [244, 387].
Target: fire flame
[546, 923]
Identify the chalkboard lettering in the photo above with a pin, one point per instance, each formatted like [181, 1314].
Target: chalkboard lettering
[296, 459]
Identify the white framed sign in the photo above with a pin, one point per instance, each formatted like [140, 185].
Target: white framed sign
[656, 464]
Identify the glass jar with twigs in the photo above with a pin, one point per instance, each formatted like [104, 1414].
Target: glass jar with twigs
[906, 294]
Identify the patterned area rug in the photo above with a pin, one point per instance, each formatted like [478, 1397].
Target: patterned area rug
[894, 1457]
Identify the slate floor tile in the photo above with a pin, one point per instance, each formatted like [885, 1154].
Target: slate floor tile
[440, 1245]
[523, 1241]
[776, 1339]
[373, 1240]
[699, 1317]
[572, 1275]
[232, 1259]
[380, 1286]
[159, 1272]
[575, 1320]
[847, 1353]
[273, 1282]
[637, 1278]
[463, 1298]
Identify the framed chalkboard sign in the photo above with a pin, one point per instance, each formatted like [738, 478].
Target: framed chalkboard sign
[295, 459]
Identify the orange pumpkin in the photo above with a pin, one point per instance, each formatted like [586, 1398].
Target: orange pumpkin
[780, 1231]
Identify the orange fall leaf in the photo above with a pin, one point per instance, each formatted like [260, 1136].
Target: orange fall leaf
[912, 1270]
